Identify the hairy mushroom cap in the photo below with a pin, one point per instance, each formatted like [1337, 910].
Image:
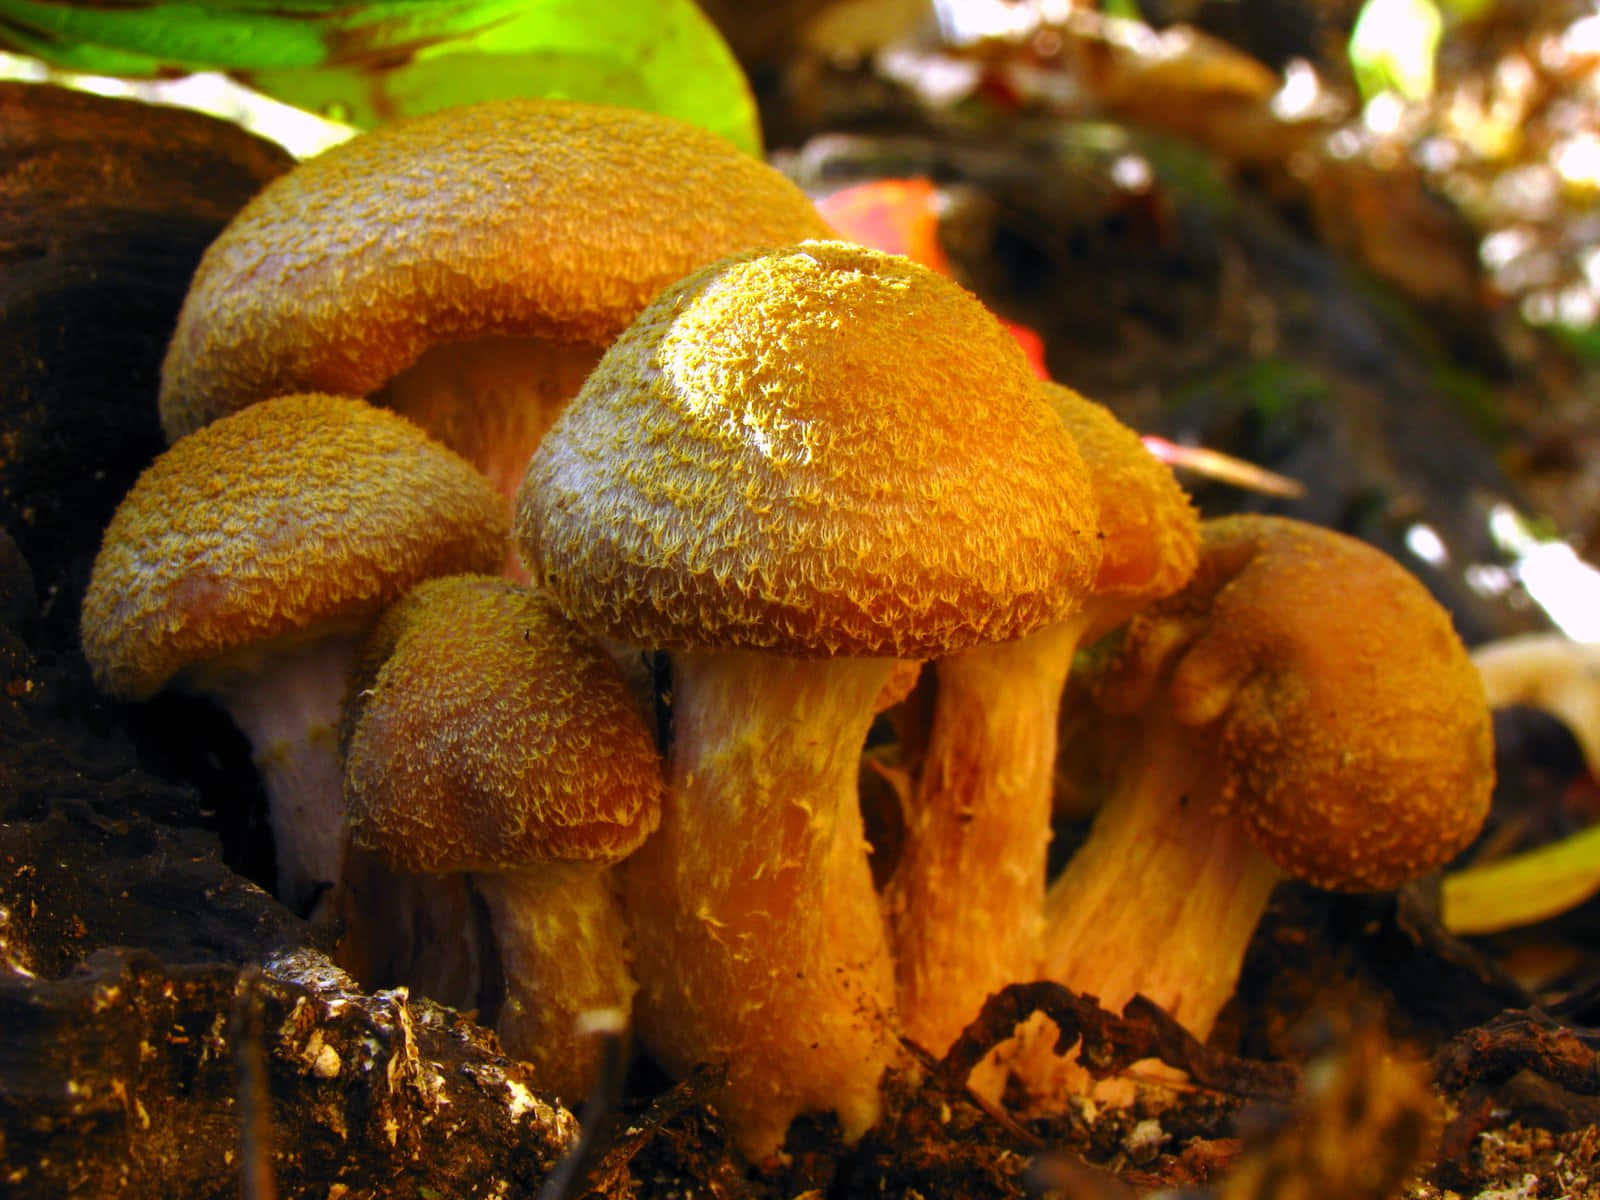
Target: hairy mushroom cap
[793, 467]
[303, 511]
[486, 731]
[519, 217]
[1149, 527]
[801, 450]
[1350, 723]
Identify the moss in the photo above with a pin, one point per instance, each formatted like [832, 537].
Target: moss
[1273, 394]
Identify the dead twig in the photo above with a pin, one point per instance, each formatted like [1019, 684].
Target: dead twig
[256, 1180]
[1521, 1040]
[1110, 1044]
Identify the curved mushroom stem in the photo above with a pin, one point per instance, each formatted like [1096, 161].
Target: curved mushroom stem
[288, 705]
[760, 942]
[1162, 899]
[967, 899]
[564, 951]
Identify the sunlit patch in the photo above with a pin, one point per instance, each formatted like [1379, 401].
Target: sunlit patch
[1301, 93]
[1384, 113]
[1132, 173]
[297, 131]
[1577, 160]
[1565, 586]
[1424, 542]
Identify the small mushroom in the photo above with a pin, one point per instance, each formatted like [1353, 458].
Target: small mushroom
[967, 898]
[466, 267]
[833, 458]
[247, 562]
[1557, 675]
[1304, 710]
[486, 733]
[1551, 672]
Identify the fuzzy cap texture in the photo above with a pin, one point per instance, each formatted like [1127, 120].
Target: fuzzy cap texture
[816, 450]
[1151, 529]
[300, 512]
[1351, 726]
[518, 217]
[487, 732]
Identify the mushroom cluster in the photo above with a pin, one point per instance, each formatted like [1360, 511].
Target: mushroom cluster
[466, 267]
[787, 468]
[1302, 708]
[486, 734]
[793, 469]
[247, 563]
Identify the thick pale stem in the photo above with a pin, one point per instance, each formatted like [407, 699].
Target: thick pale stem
[760, 943]
[1162, 899]
[564, 952]
[288, 707]
[492, 399]
[966, 901]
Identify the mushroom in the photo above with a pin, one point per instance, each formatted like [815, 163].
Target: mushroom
[967, 898]
[1304, 710]
[486, 733]
[466, 267]
[1550, 672]
[794, 468]
[1557, 675]
[245, 565]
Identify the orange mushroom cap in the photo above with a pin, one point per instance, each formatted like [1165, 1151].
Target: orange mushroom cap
[807, 450]
[303, 512]
[518, 217]
[1150, 528]
[1351, 727]
[485, 732]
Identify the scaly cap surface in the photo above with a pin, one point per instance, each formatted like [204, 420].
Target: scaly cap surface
[518, 217]
[1151, 530]
[487, 732]
[816, 450]
[300, 511]
[1352, 729]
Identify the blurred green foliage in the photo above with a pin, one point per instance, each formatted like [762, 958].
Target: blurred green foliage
[370, 63]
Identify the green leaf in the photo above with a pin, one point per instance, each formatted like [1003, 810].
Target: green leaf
[665, 57]
[368, 63]
[1525, 888]
[1393, 45]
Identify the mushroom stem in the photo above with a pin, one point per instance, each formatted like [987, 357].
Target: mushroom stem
[1161, 900]
[563, 950]
[760, 859]
[288, 706]
[491, 399]
[980, 824]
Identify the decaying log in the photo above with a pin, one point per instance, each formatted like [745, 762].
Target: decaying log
[121, 1079]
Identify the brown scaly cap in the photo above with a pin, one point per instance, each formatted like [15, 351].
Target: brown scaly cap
[301, 511]
[1352, 728]
[487, 732]
[1151, 529]
[519, 217]
[816, 450]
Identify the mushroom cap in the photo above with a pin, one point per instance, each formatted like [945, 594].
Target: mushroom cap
[816, 450]
[519, 217]
[299, 514]
[487, 732]
[1349, 723]
[1151, 530]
